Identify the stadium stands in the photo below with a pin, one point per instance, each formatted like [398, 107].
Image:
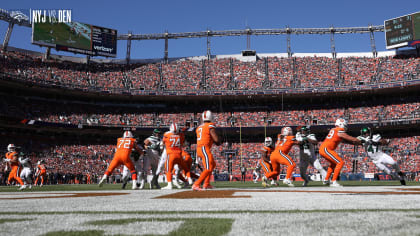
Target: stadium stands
[79, 160]
[215, 75]
[73, 163]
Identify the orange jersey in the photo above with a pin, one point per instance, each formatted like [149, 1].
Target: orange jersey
[173, 142]
[267, 150]
[285, 144]
[332, 140]
[203, 134]
[186, 156]
[41, 168]
[125, 146]
[10, 156]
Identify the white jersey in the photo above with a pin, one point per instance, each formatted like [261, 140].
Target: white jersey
[25, 162]
[306, 148]
[372, 146]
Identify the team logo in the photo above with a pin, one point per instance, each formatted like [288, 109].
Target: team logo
[18, 15]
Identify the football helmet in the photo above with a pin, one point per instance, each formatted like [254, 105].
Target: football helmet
[342, 123]
[365, 131]
[11, 147]
[127, 134]
[305, 129]
[268, 141]
[207, 116]
[286, 131]
[173, 128]
[156, 132]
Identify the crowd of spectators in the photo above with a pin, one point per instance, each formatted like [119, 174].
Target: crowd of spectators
[113, 115]
[214, 74]
[83, 163]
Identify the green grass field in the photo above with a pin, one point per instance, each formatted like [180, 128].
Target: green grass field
[218, 185]
[314, 210]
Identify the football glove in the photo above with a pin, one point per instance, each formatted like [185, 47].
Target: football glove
[363, 139]
[376, 138]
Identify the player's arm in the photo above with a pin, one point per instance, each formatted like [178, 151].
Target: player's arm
[215, 137]
[264, 155]
[379, 140]
[138, 148]
[147, 143]
[349, 139]
[312, 139]
[15, 159]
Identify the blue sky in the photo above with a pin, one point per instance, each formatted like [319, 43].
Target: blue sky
[195, 15]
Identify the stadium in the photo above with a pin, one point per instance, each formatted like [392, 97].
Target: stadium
[67, 112]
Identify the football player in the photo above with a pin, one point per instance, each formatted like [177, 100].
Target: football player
[135, 158]
[307, 154]
[265, 163]
[12, 161]
[174, 140]
[327, 150]
[151, 159]
[206, 136]
[26, 173]
[40, 173]
[280, 156]
[256, 172]
[372, 145]
[125, 146]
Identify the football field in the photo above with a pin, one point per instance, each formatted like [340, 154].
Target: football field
[358, 208]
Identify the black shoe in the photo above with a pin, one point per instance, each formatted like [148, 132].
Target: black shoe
[123, 186]
[402, 180]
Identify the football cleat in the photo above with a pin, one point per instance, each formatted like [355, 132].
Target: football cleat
[335, 184]
[169, 186]
[288, 182]
[264, 182]
[196, 188]
[22, 187]
[305, 183]
[326, 182]
[141, 184]
[177, 184]
[208, 187]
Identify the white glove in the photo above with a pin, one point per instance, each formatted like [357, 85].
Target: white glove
[299, 137]
[376, 138]
[6, 160]
[363, 139]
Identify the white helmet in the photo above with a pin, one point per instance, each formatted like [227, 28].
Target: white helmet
[268, 141]
[286, 131]
[11, 147]
[342, 123]
[207, 116]
[173, 128]
[127, 134]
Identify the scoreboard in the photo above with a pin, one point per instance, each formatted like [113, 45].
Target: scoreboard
[76, 37]
[400, 31]
[104, 41]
